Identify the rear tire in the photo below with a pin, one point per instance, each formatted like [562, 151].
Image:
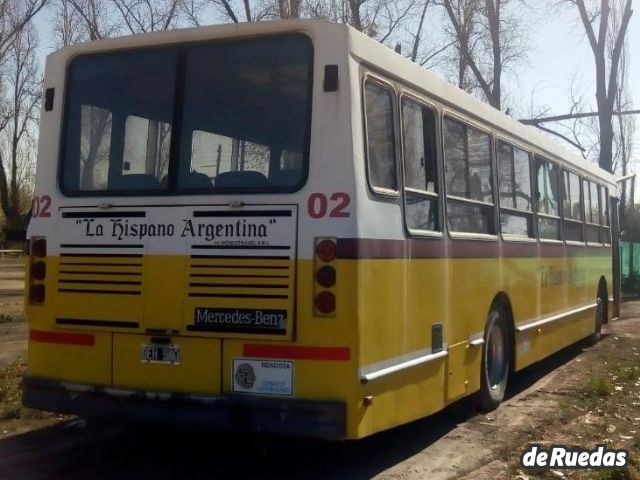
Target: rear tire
[599, 321]
[496, 355]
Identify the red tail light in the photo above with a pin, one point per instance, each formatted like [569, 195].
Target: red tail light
[38, 247]
[36, 293]
[326, 250]
[326, 302]
[325, 275]
[37, 270]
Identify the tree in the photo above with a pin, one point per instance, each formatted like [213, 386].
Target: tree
[463, 30]
[489, 41]
[148, 15]
[18, 107]
[89, 19]
[601, 19]
[380, 19]
[624, 126]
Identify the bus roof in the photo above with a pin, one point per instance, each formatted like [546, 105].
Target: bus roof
[383, 58]
[375, 54]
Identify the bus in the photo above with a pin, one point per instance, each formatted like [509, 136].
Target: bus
[286, 227]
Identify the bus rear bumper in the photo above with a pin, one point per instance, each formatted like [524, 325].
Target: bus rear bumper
[306, 418]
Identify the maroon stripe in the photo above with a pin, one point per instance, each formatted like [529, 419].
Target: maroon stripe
[356, 248]
[578, 250]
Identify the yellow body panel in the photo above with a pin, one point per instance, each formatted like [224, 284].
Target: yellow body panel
[400, 398]
[198, 371]
[385, 310]
[73, 363]
[463, 365]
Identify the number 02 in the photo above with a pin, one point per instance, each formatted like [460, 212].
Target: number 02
[318, 205]
[41, 206]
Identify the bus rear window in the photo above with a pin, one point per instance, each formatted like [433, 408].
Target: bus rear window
[234, 118]
[118, 121]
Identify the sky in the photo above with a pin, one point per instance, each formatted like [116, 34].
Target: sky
[560, 50]
[557, 51]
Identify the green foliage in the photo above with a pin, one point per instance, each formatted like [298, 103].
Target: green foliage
[630, 224]
[631, 284]
[598, 387]
[4, 318]
[614, 474]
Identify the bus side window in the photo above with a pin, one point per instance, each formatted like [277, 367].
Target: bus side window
[572, 208]
[604, 202]
[514, 185]
[467, 152]
[381, 151]
[548, 191]
[419, 153]
[592, 201]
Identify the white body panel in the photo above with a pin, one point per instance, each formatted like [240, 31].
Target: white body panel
[337, 160]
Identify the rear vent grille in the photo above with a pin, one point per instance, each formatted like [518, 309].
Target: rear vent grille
[240, 277]
[111, 274]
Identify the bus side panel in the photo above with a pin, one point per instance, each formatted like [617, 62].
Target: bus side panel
[580, 281]
[398, 302]
[404, 397]
[472, 286]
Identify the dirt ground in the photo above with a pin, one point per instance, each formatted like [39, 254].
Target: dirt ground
[13, 329]
[549, 402]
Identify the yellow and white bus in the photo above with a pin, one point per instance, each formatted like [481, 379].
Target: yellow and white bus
[286, 227]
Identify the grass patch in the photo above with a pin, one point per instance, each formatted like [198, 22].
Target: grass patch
[4, 318]
[11, 391]
[629, 374]
[598, 386]
[615, 474]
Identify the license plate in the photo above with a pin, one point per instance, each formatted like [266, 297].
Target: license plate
[168, 353]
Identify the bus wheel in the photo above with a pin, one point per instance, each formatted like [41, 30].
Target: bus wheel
[495, 362]
[600, 313]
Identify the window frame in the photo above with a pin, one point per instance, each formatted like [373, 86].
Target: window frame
[172, 189]
[405, 94]
[493, 224]
[378, 192]
[531, 215]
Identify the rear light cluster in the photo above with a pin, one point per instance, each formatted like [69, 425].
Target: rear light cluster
[37, 270]
[324, 302]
